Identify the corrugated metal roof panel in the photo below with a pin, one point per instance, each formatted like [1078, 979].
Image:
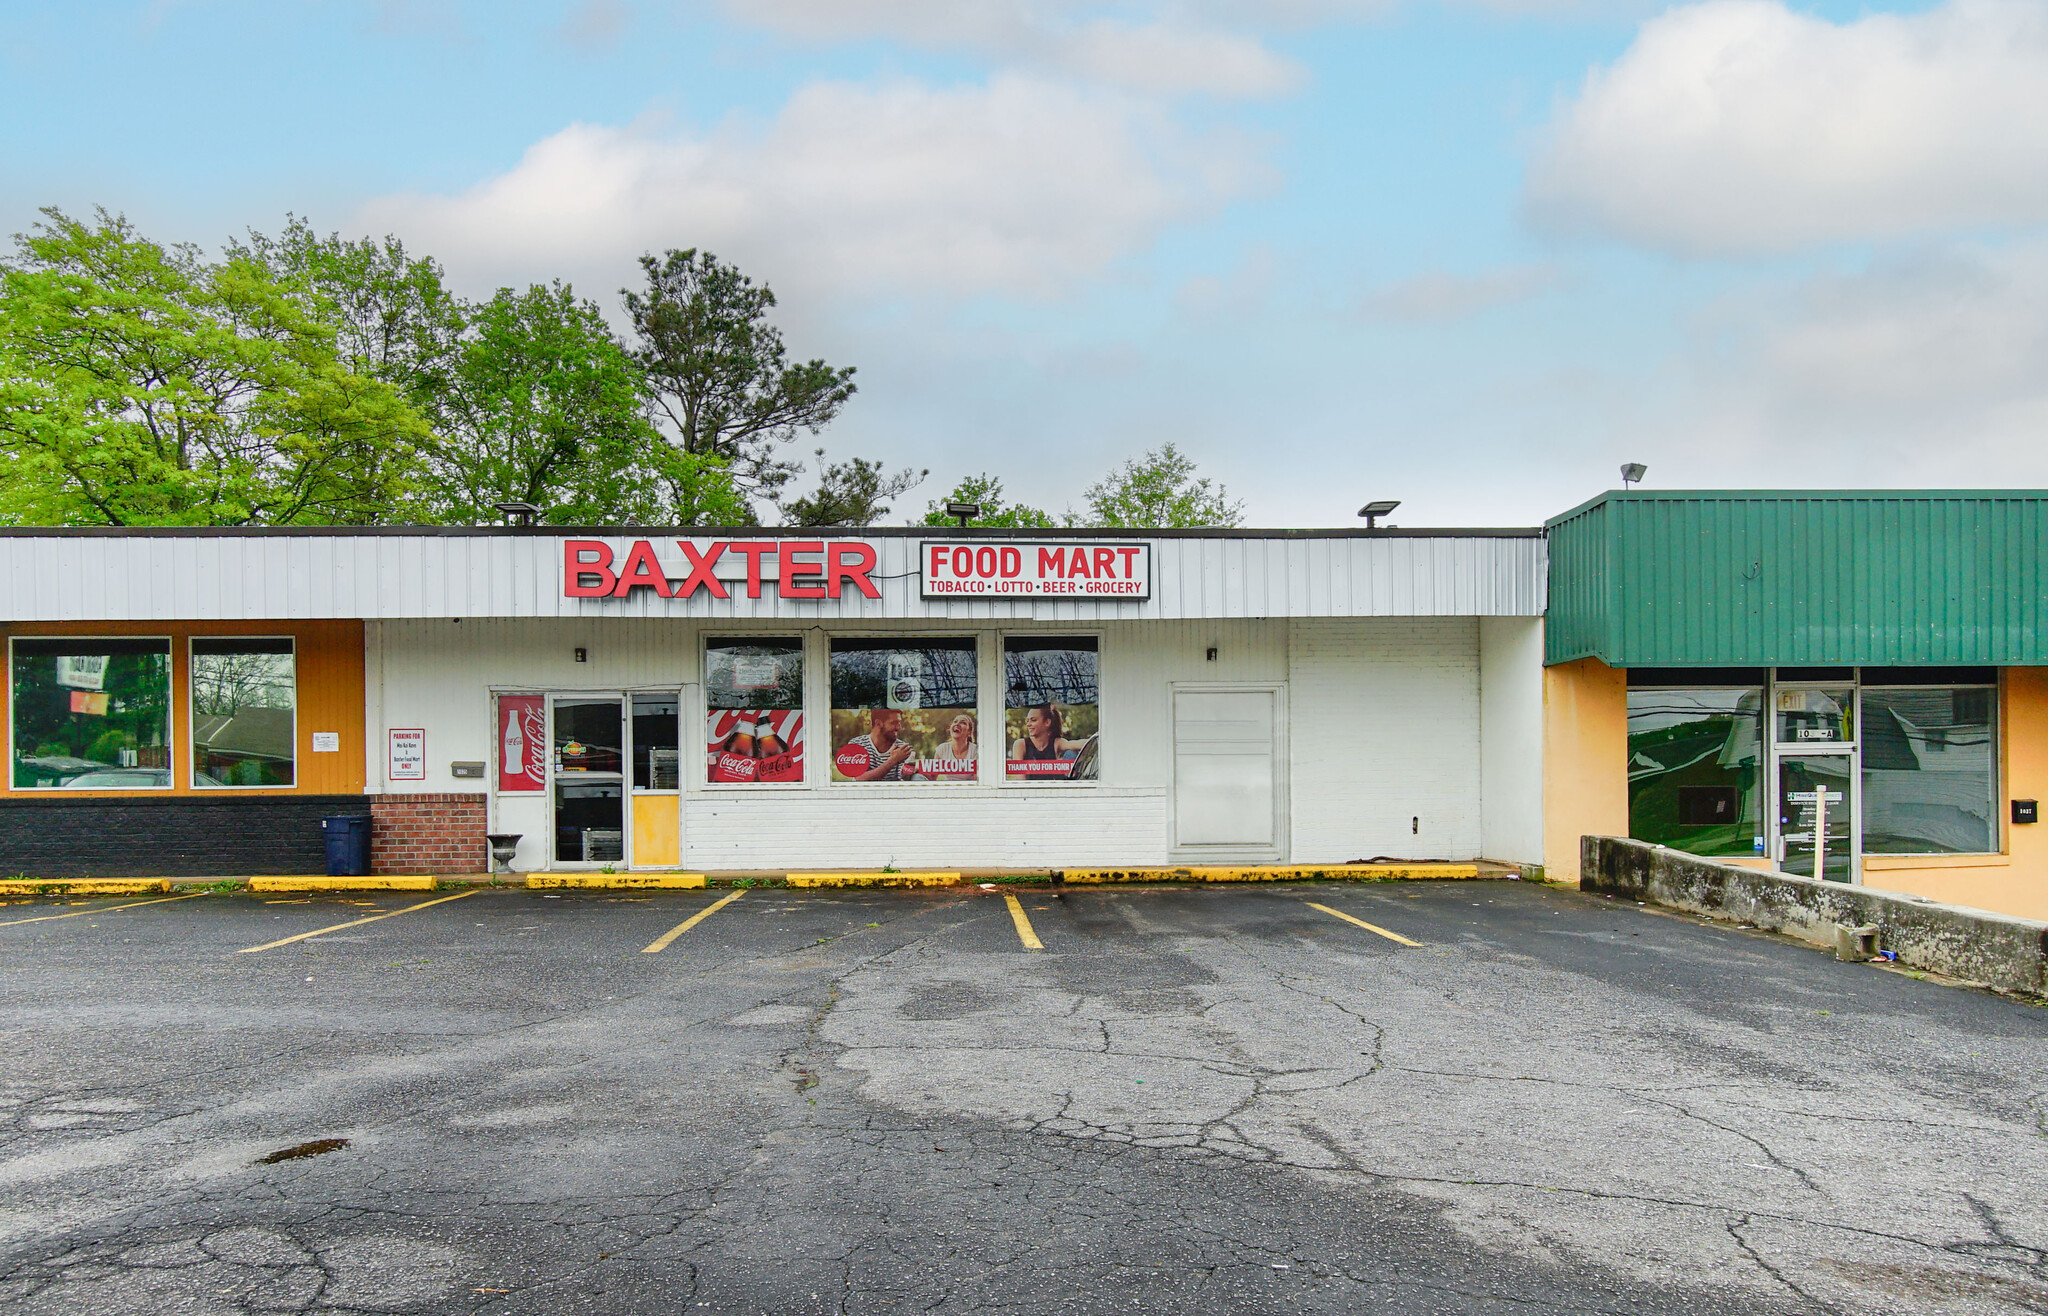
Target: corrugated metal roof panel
[1795, 578]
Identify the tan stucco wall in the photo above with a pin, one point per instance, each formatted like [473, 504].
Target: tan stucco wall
[1585, 760]
[2016, 881]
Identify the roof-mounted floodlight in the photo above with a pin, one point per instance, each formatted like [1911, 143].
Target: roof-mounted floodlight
[965, 511]
[523, 512]
[1633, 473]
[1373, 511]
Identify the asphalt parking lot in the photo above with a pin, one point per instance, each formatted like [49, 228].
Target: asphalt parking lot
[1419, 1097]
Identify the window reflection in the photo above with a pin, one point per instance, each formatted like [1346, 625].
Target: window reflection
[91, 713]
[1928, 779]
[1694, 769]
[244, 712]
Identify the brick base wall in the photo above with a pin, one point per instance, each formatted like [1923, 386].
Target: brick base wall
[428, 834]
[181, 836]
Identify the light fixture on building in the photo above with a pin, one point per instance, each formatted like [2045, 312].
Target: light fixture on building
[582, 655]
[1373, 511]
[965, 511]
[1633, 473]
[525, 512]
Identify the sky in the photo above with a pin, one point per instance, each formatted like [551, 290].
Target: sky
[1469, 254]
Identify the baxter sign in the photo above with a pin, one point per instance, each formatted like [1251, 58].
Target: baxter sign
[800, 568]
[1073, 569]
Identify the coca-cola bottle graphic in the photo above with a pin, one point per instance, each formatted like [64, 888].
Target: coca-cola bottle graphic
[514, 762]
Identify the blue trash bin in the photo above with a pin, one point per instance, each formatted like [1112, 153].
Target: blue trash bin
[348, 845]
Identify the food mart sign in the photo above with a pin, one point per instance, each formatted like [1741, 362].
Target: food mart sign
[1069, 569]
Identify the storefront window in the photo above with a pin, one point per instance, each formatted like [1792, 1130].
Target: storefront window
[904, 710]
[754, 710]
[1052, 684]
[1694, 769]
[91, 713]
[655, 751]
[1929, 784]
[244, 712]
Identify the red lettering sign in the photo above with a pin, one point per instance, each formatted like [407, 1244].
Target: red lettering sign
[577, 568]
[981, 570]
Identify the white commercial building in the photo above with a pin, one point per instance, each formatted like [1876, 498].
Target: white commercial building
[754, 700]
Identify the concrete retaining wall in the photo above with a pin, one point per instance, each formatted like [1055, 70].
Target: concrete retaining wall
[2007, 953]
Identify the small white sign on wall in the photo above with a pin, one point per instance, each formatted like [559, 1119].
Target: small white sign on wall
[408, 754]
[327, 742]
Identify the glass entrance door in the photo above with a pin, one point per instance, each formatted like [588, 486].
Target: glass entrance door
[1816, 816]
[587, 760]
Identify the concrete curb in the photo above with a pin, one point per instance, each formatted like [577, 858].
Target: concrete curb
[616, 881]
[872, 879]
[86, 886]
[341, 884]
[2009, 954]
[1268, 873]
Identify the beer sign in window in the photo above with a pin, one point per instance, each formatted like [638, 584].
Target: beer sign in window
[754, 710]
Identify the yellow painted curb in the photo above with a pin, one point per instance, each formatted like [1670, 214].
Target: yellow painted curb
[85, 886]
[1269, 873]
[341, 884]
[617, 881]
[873, 879]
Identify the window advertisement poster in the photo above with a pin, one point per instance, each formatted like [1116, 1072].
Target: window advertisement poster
[904, 710]
[522, 743]
[1049, 707]
[754, 710]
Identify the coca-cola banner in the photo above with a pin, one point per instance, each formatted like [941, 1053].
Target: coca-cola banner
[1051, 684]
[522, 743]
[754, 710]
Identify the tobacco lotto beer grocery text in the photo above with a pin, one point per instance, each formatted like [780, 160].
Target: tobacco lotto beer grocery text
[1074, 569]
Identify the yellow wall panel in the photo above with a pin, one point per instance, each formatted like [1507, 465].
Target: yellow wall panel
[655, 837]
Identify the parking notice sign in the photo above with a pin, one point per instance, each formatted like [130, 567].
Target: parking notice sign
[1075, 568]
[408, 754]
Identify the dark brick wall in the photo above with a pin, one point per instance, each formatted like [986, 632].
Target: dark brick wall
[185, 836]
[429, 833]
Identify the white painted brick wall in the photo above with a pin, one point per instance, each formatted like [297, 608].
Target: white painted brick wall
[1383, 726]
[846, 826]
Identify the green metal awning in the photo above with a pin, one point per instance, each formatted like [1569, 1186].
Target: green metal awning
[1800, 578]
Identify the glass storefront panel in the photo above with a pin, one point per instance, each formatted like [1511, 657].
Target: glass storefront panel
[588, 741]
[1929, 771]
[656, 752]
[1051, 717]
[91, 713]
[244, 712]
[1695, 769]
[754, 710]
[1808, 716]
[905, 710]
[1815, 814]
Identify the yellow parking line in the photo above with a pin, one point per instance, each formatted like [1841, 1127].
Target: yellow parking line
[104, 909]
[354, 923]
[1338, 913]
[661, 942]
[1024, 932]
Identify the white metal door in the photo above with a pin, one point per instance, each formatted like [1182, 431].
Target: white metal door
[1226, 777]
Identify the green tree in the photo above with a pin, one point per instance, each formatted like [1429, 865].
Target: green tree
[141, 384]
[849, 493]
[392, 317]
[987, 491]
[718, 372]
[1157, 491]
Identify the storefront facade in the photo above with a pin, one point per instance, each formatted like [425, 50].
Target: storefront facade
[750, 701]
[1845, 685]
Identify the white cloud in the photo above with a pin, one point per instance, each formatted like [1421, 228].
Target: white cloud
[1021, 186]
[1739, 126]
[1439, 296]
[1167, 54]
[595, 25]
